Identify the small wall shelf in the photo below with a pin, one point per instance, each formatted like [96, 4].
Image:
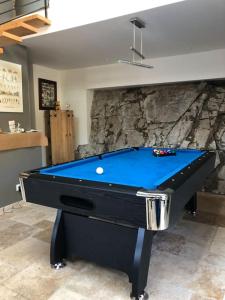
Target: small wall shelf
[9, 141]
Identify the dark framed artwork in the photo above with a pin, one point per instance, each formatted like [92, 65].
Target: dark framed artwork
[47, 94]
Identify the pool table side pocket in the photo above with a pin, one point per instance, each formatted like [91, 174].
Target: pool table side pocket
[106, 204]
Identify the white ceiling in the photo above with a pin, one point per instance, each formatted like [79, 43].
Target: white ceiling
[184, 27]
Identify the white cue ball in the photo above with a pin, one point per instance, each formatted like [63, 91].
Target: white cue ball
[99, 170]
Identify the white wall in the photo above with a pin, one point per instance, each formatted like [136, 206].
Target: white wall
[77, 84]
[50, 74]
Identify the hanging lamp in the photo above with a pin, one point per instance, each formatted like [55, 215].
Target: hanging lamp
[137, 24]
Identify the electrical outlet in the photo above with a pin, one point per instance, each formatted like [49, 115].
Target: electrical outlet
[18, 187]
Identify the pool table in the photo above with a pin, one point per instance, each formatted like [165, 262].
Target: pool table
[110, 218]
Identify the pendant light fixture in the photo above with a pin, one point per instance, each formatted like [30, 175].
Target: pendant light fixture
[137, 24]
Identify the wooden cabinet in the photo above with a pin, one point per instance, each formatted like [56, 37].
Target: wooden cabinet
[62, 136]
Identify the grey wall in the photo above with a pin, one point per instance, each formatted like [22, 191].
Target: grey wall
[187, 115]
[14, 161]
[11, 164]
[20, 55]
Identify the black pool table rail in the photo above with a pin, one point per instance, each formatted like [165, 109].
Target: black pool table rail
[177, 179]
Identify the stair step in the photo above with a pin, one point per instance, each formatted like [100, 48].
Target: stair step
[19, 29]
[36, 20]
[7, 39]
[11, 32]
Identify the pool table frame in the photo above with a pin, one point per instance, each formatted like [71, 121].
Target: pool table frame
[113, 224]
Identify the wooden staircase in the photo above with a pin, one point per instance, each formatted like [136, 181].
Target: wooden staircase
[12, 32]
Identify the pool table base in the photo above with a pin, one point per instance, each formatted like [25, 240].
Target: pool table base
[117, 246]
[191, 206]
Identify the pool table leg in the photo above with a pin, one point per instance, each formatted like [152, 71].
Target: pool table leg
[57, 242]
[192, 205]
[141, 263]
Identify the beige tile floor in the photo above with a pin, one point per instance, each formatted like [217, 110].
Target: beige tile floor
[187, 263]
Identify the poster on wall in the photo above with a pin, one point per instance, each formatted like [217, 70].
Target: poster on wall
[47, 94]
[11, 94]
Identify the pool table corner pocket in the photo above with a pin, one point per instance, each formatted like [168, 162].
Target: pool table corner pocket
[157, 209]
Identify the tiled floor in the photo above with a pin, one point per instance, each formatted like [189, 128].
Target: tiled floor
[187, 263]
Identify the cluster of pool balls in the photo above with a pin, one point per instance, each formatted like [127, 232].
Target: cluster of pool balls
[164, 152]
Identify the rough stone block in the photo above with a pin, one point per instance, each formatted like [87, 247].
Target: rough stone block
[179, 132]
[120, 142]
[164, 107]
[212, 145]
[112, 107]
[220, 187]
[132, 95]
[113, 129]
[98, 108]
[218, 160]
[214, 104]
[135, 138]
[97, 135]
[157, 134]
[202, 133]
[204, 114]
[130, 109]
[140, 124]
[220, 133]
[221, 173]
[88, 150]
[222, 107]
[129, 123]
[185, 144]
[220, 89]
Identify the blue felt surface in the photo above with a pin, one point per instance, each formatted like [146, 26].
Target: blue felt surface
[128, 167]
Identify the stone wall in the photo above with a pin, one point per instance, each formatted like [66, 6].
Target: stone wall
[186, 115]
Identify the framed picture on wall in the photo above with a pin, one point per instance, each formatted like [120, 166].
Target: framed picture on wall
[47, 94]
[11, 94]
